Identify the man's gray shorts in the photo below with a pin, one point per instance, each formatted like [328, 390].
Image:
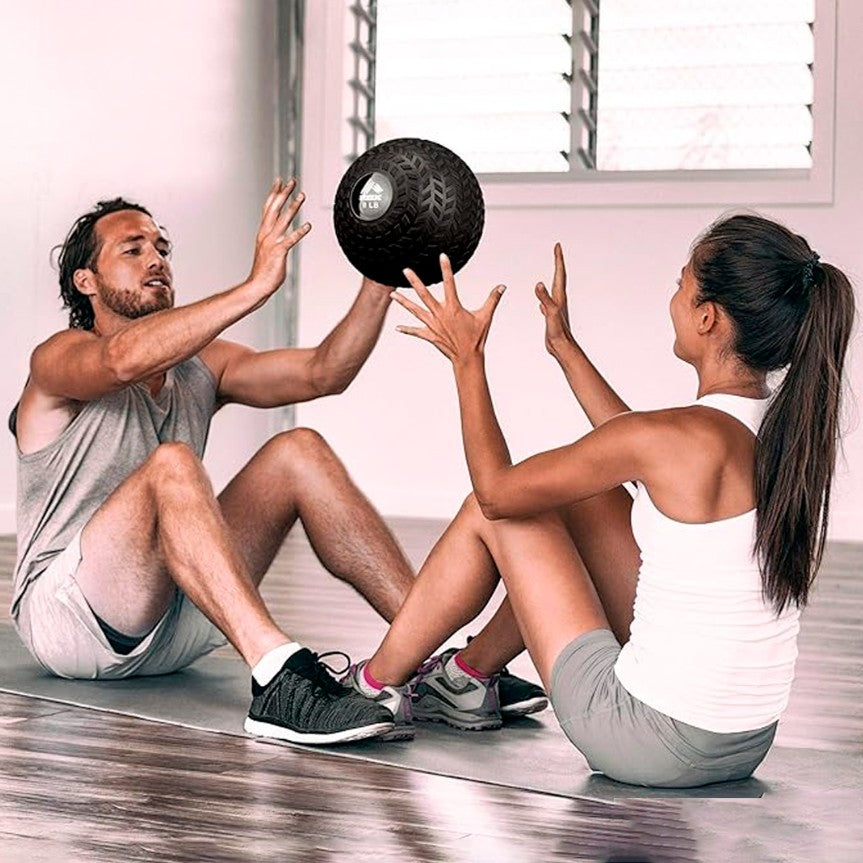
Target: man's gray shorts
[626, 740]
[60, 629]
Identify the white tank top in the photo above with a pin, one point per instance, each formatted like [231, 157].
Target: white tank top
[705, 648]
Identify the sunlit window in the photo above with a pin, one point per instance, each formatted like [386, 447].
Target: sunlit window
[550, 86]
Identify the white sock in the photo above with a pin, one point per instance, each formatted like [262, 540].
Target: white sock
[456, 674]
[270, 664]
[367, 688]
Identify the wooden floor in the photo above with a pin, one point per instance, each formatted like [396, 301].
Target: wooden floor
[77, 785]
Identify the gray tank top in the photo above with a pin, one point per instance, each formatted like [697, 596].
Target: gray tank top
[61, 485]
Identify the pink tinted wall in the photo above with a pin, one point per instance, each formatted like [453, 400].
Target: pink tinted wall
[170, 104]
[397, 426]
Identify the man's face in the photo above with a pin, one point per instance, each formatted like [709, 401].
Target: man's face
[132, 276]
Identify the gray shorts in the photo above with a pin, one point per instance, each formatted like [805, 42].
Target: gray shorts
[59, 628]
[626, 740]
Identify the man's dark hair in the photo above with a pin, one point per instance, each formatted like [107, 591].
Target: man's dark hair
[79, 251]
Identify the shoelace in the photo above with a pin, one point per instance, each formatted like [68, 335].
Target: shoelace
[324, 679]
[427, 666]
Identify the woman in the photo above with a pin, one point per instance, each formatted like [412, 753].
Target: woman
[700, 578]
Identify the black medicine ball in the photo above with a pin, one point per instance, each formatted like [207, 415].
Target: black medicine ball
[401, 204]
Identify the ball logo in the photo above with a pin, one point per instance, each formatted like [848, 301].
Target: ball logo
[400, 203]
[374, 198]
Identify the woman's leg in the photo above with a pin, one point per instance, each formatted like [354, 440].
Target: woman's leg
[553, 598]
[452, 587]
[601, 530]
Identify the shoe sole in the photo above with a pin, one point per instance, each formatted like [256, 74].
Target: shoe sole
[524, 708]
[265, 729]
[478, 724]
[398, 733]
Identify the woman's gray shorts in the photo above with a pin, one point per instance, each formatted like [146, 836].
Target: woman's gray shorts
[626, 740]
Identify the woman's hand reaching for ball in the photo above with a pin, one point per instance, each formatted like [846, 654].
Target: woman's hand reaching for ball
[457, 333]
[554, 307]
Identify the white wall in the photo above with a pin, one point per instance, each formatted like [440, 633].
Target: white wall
[170, 104]
[397, 427]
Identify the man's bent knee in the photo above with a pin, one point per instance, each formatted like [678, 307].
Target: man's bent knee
[301, 446]
[175, 461]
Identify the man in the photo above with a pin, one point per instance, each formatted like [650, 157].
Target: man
[128, 563]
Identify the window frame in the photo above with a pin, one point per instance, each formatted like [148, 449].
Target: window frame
[590, 188]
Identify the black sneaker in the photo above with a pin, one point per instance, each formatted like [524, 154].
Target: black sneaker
[303, 703]
[518, 697]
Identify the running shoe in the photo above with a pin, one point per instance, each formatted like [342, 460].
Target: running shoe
[397, 699]
[442, 692]
[518, 697]
[303, 703]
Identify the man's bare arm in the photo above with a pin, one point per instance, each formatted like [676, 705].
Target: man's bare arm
[83, 366]
[290, 375]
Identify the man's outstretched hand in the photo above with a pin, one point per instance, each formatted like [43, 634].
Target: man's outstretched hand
[275, 239]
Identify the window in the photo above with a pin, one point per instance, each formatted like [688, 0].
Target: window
[549, 88]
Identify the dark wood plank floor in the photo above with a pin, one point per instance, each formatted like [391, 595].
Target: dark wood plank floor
[77, 785]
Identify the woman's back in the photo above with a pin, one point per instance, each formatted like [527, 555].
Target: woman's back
[706, 647]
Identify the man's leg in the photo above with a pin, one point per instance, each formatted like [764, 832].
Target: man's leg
[297, 475]
[163, 529]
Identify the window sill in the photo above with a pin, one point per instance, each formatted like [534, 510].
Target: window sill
[659, 188]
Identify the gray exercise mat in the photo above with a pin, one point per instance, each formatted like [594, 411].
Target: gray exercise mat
[531, 753]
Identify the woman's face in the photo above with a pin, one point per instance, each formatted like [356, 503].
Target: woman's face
[684, 314]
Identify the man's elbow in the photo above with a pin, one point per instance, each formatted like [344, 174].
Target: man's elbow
[329, 384]
[118, 366]
[328, 380]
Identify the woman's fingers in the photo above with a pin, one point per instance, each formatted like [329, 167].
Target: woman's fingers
[491, 302]
[558, 286]
[427, 335]
[422, 291]
[417, 311]
[542, 294]
[449, 291]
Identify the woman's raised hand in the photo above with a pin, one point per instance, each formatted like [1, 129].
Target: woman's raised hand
[554, 306]
[456, 332]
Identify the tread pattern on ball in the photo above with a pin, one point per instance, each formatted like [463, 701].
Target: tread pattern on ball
[437, 207]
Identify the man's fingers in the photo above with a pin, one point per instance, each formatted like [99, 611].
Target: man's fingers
[289, 213]
[275, 203]
[290, 240]
[273, 190]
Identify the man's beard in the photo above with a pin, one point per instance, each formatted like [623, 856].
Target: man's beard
[131, 305]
